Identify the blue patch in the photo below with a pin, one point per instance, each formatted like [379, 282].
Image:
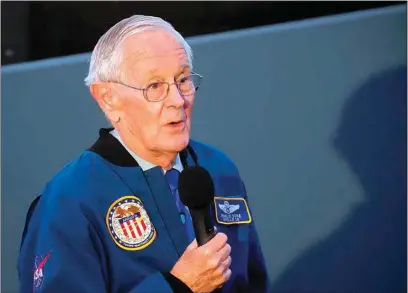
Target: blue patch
[232, 210]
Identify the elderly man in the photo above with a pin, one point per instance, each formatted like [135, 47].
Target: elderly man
[111, 220]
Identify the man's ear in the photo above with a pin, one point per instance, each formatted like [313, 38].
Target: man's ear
[104, 96]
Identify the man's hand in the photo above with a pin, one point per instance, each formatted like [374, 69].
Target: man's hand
[205, 268]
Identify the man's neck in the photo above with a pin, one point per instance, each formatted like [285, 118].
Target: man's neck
[163, 159]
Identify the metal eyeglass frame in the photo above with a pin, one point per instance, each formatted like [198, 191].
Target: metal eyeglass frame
[168, 88]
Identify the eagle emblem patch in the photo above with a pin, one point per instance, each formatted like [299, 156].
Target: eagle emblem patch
[232, 210]
[129, 224]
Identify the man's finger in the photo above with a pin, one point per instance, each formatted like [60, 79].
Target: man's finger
[227, 263]
[192, 245]
[223, 253]
[217, 242]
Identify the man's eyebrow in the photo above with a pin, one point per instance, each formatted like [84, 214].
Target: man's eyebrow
[181, 71]
[153, 71]
[184, 67]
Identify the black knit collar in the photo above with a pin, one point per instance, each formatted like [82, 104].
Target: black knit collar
[109, 148]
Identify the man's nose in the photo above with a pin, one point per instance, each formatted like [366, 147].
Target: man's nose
[174, 96]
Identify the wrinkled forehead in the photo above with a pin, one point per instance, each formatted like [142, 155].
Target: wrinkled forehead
[153, 52]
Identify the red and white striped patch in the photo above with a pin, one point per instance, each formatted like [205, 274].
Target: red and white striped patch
[129, 224]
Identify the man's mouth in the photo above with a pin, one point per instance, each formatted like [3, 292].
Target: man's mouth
[176, 123]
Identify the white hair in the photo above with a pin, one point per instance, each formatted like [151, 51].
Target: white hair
[107, 55]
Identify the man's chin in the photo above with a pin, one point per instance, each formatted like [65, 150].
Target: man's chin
[179, 144]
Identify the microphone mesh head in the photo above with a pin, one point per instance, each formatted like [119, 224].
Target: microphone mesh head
[196, 188]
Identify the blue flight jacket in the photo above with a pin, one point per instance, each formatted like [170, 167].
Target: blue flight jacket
[103, 225]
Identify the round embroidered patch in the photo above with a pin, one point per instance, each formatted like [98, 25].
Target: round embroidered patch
[129, 224]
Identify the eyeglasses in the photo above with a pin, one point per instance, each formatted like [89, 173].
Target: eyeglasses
[158, 91]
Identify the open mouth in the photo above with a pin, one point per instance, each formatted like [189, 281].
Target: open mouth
[177, 123]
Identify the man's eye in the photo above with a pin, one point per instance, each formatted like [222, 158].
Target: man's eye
[184, 79]
[155, 86]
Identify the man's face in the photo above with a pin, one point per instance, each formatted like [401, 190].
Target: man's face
[154, 56]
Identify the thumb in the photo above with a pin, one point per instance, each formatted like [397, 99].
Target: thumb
[193, 245]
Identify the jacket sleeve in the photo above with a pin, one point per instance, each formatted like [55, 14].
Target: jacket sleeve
[61, 252]
[258, 279]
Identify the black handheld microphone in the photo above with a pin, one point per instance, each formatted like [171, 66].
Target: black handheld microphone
[196, 191]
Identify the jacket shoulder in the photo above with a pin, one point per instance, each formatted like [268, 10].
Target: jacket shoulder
[76, 179]
[213, 156]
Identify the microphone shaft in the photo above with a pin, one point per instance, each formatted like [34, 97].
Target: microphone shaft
[203, 225]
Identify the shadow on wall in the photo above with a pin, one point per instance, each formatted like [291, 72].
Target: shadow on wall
[367, 253]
